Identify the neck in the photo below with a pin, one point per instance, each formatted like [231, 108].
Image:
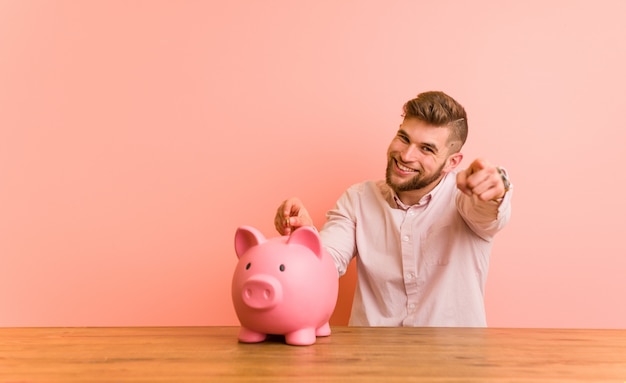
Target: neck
[412, 197]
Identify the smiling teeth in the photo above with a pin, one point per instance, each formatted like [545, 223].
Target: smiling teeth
[404, 168]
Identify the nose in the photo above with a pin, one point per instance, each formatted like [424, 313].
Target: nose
[408, 154]
[262, 292]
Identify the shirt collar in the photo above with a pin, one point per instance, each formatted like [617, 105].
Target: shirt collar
[424, 200]
[401, 205]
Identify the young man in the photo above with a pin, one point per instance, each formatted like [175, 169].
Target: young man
[422, 237]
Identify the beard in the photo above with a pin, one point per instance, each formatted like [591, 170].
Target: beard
[419, 180]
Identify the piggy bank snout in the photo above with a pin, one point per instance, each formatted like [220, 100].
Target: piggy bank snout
[262, 292]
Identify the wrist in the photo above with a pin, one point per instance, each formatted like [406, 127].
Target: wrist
[506, 182]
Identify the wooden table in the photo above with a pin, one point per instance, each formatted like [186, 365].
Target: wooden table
[212, 354]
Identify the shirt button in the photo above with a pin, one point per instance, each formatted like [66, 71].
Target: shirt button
[405, 238]
[410, 275]
[412, 306]
[411, 212]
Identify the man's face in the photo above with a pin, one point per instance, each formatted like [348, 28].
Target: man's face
[418, 156]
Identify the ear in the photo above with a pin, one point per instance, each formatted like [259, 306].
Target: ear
[245, 238]
[453, 162]
[308, 237]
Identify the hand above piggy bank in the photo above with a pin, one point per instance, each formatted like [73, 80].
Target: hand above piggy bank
[283, 286]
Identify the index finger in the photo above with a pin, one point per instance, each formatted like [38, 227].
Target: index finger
[477, 165]
[291, 207]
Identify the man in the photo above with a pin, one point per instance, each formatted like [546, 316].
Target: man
[422, 237]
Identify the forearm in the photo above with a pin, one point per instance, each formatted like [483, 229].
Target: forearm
[485, 218]
[338, 238]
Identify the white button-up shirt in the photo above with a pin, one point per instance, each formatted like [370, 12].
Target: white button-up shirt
[419, 265]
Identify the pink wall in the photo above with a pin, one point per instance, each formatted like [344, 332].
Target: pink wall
[136, 136]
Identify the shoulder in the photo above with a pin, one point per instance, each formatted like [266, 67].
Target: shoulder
[365, 187]
[368, 191]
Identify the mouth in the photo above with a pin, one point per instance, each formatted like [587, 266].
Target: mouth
[403, 168]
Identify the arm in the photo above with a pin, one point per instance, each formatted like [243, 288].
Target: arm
[485, 201]
[339, 234]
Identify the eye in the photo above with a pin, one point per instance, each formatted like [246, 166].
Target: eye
[248, 265]
[403, 138]
[282, 267]
[429, 148]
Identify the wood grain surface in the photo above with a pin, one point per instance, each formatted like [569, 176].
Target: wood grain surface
[213, 354]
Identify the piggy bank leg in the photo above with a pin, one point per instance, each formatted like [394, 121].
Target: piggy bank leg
[302, 337]
[249, 336]
[323, 330]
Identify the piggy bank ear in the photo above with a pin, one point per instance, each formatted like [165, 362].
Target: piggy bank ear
[308, 237]
[245, 238]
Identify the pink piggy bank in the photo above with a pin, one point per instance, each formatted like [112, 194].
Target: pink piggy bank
[283, 286]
